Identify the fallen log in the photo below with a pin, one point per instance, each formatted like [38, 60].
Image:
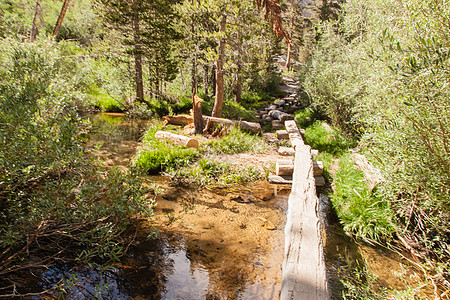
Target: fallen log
[178, 120]
[177, 139]
[250, 126]
[187, 119]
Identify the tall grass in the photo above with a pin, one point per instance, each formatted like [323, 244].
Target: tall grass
[155, 155]
[237, 141]
[361, 212]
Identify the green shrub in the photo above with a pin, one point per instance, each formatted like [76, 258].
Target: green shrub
[361, 213]
[305, 118]
[155, 155]
[208, 172]
[237, 141]
[51, 193]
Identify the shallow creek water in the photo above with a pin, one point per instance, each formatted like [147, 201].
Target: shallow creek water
[210, 244]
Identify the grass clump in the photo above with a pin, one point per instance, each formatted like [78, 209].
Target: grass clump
[157, 155]
[208, 172]
[304, 117]
[362, 214]
[238, 141]
[319, 137]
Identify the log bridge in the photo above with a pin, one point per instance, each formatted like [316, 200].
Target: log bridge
[304, 272]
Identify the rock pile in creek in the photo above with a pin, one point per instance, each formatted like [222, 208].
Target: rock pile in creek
[282, 109]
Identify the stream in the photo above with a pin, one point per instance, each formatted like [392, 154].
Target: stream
[209, 243]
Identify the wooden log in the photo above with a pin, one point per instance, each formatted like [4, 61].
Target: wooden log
[286, 151]
[318, 168]
[275, 179]
[179, 120]
[250, 126]
[319, 180]
[304, 272]
[282, 134]
[177, 139]
[276, 125]
[279, 115]
[284, 167]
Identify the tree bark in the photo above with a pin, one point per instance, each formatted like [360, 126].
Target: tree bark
[137, 53]
[197, 112]
[61, 17]
[34, 25]
[205, 78]
[218, 104]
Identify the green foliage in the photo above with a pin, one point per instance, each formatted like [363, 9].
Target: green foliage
[50, 191]
[237, 141]
[208, 172]
[381, 71]
[362, 213]
[156, 155]
[305, 118]
[325, 139]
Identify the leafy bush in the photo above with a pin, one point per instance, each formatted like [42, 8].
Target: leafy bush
[382, 71]
[52, 196]
[237, 141]
[155, 155]
[305, 117]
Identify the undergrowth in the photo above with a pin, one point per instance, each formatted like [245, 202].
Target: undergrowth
[360, 211]
[156, 155]
[237, 141]
[208, 172]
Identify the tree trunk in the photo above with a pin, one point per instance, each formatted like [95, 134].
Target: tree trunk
[237, 86]
[61, 17]
[33, 25]
[194, 84]
[218, 104]
[137, 53]
[288, 58]
[213, 80]
[205, 78]
[197, 112]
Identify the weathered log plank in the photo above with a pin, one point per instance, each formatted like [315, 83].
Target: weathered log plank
[177, 139]
[304, 272]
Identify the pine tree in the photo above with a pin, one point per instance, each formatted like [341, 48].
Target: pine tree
[149, 32]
